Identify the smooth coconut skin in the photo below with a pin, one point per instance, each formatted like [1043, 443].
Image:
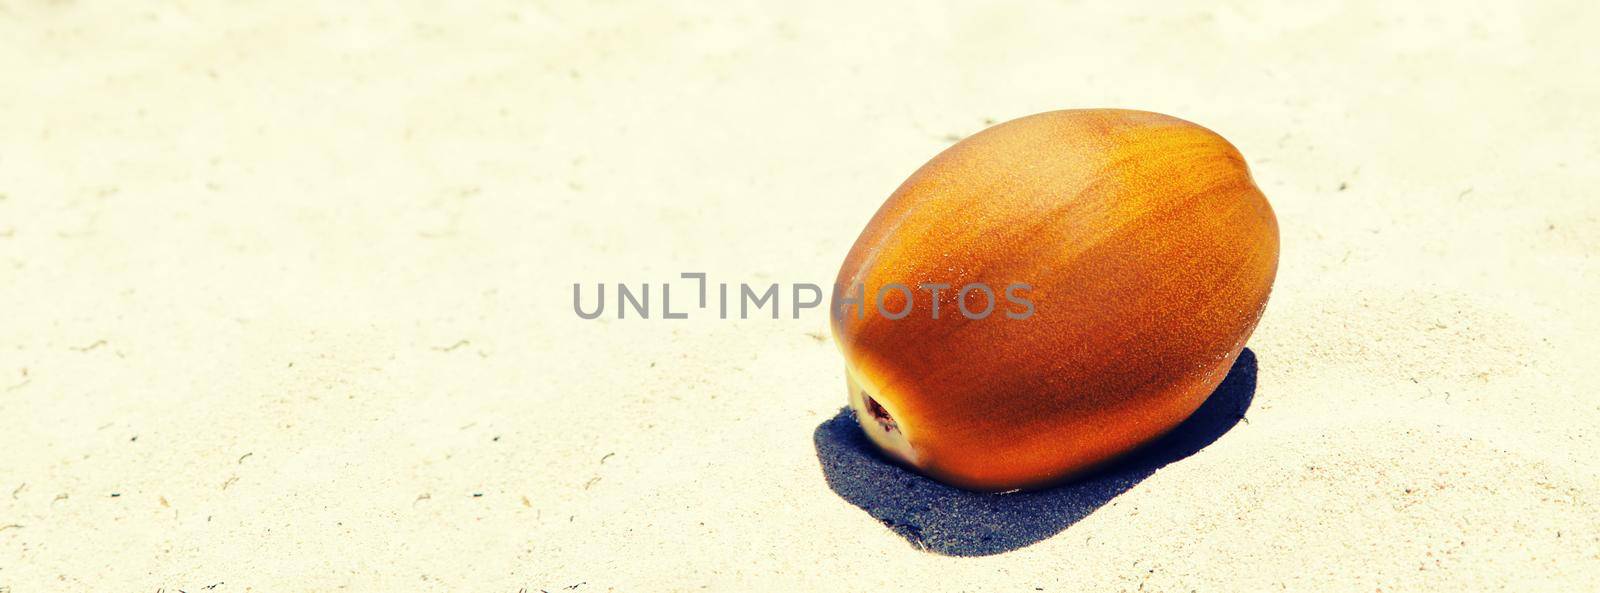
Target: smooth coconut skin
[1150, 253]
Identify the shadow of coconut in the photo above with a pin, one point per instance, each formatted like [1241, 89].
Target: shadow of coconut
[956, 522]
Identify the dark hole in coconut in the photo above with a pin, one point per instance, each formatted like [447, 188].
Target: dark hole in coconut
[878, 413]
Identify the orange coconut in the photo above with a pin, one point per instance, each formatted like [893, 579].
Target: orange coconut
[1146, 251]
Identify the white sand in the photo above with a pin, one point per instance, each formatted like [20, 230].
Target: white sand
[283, 289]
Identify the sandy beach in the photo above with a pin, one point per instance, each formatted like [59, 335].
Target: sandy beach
[286, 297]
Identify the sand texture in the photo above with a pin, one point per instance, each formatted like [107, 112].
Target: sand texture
[286, 296]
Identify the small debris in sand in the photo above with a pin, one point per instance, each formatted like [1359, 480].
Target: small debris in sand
[452, 347]
[96, 344]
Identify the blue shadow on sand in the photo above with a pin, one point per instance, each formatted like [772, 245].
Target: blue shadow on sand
[955, 522]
